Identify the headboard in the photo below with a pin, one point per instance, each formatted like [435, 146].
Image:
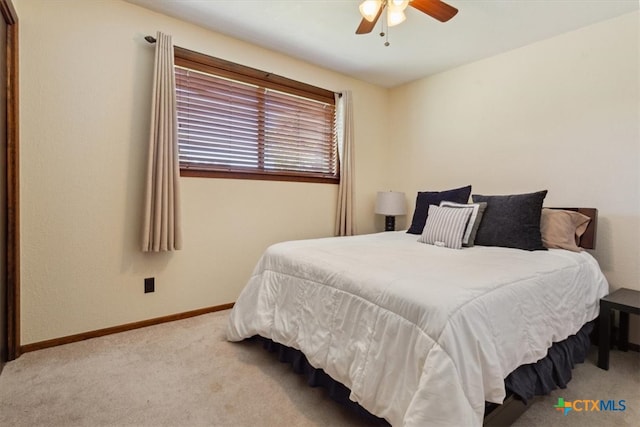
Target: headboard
[588, 239]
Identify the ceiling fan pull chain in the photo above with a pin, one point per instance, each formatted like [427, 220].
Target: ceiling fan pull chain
[384, 33]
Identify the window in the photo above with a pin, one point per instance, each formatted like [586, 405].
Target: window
[239, 122]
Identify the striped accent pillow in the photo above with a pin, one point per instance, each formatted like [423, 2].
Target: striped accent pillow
[469, 236]
[445, 226]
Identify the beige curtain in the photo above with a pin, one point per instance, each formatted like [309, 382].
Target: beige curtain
[345, 218]
[162, 230]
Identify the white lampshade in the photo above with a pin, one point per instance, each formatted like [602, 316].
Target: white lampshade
[391, 203]
[369, 9]
[395, 12]
[395, 18]
[398, 4]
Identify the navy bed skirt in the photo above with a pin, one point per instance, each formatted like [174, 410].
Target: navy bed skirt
[527, 381]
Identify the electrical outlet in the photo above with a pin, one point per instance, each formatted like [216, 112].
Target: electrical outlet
[149, 285]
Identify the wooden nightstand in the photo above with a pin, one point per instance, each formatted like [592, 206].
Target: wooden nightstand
[626, 301]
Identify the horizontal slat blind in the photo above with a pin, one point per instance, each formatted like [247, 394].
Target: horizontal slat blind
[234, 126]
[217, 121]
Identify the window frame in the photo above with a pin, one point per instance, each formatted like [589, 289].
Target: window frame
[219, 67]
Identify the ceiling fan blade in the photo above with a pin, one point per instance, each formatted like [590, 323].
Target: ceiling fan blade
[365, 26]
[435, 8]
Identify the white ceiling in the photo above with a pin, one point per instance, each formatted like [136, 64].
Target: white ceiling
[322, 32]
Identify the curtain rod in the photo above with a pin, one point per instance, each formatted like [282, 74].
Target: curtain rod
[152, 40]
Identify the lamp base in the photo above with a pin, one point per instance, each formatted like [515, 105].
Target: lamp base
[389, 223]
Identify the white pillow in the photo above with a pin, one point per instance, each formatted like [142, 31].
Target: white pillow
[470, 231]
[445, 226]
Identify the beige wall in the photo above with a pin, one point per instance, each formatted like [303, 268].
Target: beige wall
[561, 114]
[85, 98]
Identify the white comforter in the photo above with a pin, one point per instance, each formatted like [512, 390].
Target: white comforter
[422, 335]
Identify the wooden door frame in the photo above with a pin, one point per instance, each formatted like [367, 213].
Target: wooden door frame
[10, 16]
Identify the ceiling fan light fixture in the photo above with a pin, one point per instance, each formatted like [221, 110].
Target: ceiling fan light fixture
[395, 17]
[369, 9]
[398, 4]
[395, 11]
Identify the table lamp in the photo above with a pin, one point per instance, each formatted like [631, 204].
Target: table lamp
[390, 204]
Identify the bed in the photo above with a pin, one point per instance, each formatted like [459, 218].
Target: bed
[420, 334]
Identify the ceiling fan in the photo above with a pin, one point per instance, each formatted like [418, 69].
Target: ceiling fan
[371, 10]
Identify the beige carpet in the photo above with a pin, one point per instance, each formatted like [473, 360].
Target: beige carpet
[186, 374]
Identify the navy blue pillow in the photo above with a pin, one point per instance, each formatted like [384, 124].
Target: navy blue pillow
[426, 198]
[511, 221]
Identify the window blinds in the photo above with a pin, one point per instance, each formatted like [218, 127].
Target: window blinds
[230, 125]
